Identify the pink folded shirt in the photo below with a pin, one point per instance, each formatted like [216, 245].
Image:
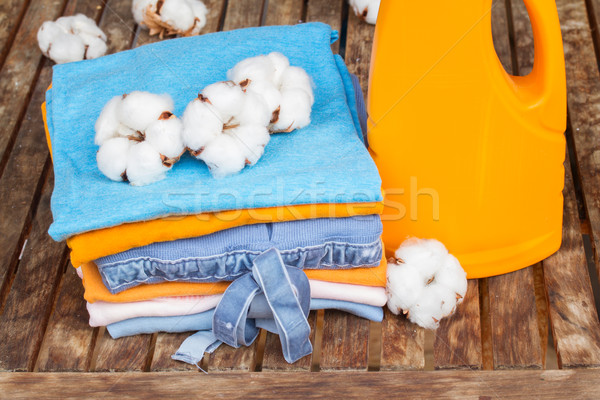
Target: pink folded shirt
[104, 313]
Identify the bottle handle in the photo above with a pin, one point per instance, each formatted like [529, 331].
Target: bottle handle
[545, 87]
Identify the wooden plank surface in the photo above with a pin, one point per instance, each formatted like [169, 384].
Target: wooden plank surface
[19, 72]
[273, 357]
[345, 342]
[402, 344]
[573, 317]
[228, 359]
[243, 14]
[11, 14]
[124, 354]
[284, 12]
[583, 84]
[359, 41]
[69, 340]
[513, 317]
[581, 384]
[166, 345]
[457, 342]
[25, 316]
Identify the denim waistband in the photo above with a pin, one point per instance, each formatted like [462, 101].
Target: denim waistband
[119, 276]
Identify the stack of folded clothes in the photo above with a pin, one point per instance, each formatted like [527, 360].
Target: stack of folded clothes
[298, 231]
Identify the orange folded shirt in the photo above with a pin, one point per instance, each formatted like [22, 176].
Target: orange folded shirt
[89, 246]
[96, 291]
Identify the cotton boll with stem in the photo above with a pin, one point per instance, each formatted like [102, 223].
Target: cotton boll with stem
[144, 165]
[428, 254]
[112, 158]
[138, 9]
[269, 93]
[404, 288]
[201, 124]
[223, 156]
[139, 109]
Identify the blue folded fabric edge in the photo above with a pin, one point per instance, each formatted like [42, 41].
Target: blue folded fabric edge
[76, 210]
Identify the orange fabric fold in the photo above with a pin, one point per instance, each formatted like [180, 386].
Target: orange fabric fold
[96, 291]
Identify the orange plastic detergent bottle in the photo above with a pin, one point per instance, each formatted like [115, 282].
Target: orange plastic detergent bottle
[468, 154]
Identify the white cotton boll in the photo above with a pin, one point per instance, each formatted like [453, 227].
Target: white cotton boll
[439, 274]
[46, 34]
[269, 93]
[138, 9]
[404, 288]
[201, 124]
[280, 64]
[178, 14]
[199, 10]
[66, 48]
[259, 68]
[226, 97]
[294, 112]
[107, 123]
[223, 156]
[165, 136]
[297, 78]
[84, 27]
[252, 140]
[254, 111]
[427, 254]
[139, 109]
[366, 9]
[112, 158]
[453, 276]
[427, 312]
[144, 165]
[96, 48]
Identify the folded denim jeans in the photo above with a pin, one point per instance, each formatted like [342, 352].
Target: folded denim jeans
[321, 243]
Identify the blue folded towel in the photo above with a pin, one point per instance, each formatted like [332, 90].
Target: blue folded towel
[325, 162]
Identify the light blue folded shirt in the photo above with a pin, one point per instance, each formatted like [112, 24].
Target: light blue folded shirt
[203, 321]
[326, 162]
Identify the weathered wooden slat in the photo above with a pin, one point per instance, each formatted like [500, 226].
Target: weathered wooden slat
[32, 294]
[118, 24]
[123, 354]
[457, 343]
[329, 12]
[580, 384]
[243, 14]
[402, 344]
[345, 342]
[284, 12]
[500, 33]
[513, 316]
[359, 40]
[228, 359]
[11, 13]
[18, 74]
[583, 83]
[573, 317]
[69, 339]
[523, 41]
[273, 358]
[166, 345]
